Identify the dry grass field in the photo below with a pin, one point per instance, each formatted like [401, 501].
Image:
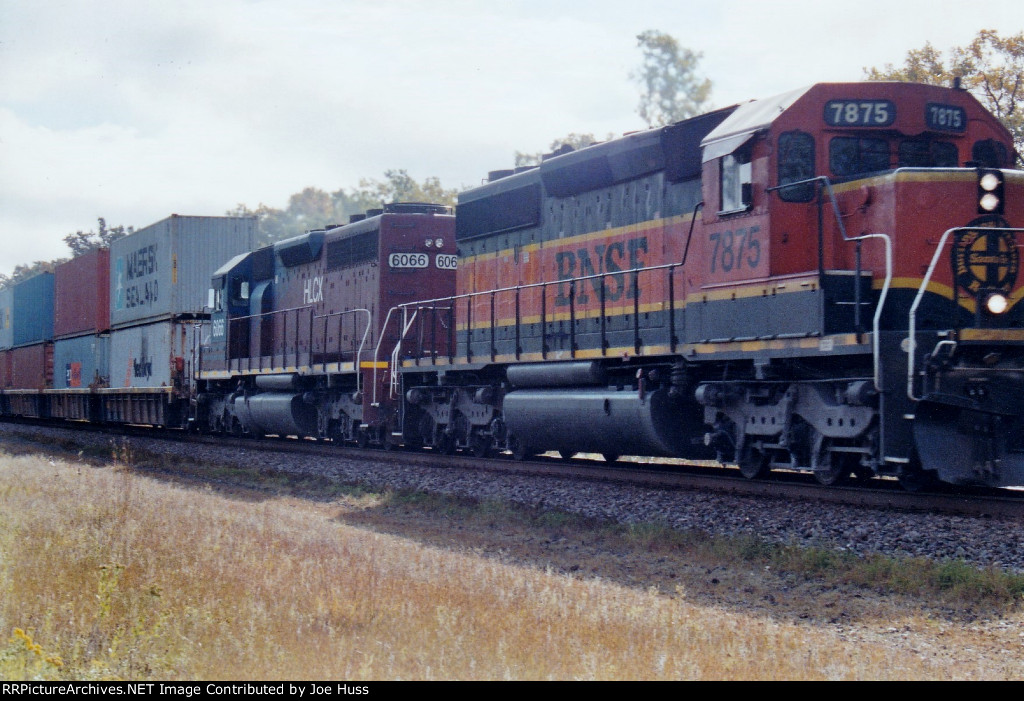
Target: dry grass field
[118, 571]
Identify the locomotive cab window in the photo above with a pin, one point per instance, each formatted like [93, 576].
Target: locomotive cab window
[989, 153]
[850, 156]
[736, 181]
[796, 163]
[925, 153]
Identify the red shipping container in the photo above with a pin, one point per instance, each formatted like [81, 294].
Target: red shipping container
[32, 366]
[5, 370]
[82, 295]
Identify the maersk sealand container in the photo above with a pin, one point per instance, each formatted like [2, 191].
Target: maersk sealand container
[32, 310]
[163, 271]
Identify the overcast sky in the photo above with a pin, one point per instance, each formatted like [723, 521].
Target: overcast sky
[136, 109]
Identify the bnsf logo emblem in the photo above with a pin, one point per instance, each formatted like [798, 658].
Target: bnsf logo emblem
[986, 260]
[408, 260]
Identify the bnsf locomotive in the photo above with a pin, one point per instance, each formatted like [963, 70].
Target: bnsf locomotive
[826, 280]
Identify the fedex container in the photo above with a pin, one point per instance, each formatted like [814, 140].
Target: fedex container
[6, 311]
[164, 270]
[32, 310]
[81, 362]
[161, 354]
[82, 294]
[32, 366]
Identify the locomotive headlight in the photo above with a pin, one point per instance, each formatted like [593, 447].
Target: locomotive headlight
[996, 303]
[429, 243]
[439, 243]
[989, 202]
[990, 191]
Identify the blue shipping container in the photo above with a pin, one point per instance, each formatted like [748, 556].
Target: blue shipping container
[81, 362]
[6, 309]
[32, 313]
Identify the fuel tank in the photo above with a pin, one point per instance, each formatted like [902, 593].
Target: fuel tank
[281, 413]
[605, 420]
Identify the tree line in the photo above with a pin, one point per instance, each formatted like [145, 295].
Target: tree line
[671, 88]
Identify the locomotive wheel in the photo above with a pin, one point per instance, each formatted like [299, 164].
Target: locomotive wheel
[362, 438]
[481, 445]
[386, 441]
[610, 457]
[566, 454]
[753, 462]
[520, 451]
[445, 442]
[831, 468]
[862, 473]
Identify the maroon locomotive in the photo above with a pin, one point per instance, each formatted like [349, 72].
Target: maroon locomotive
[301, 341]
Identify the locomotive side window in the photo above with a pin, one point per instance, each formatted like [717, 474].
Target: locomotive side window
[239, 291]
[796, 163]
[990, 154]
[851, 156]
[924, 153]
[736, 180]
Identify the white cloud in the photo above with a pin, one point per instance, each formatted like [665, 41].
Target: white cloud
[134, 109]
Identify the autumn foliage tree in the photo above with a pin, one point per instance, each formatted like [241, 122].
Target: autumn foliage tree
[313, 208]
[991, 67]
[671, 89]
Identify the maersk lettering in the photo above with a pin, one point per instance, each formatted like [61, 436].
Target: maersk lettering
[141, 262]
[601, 261]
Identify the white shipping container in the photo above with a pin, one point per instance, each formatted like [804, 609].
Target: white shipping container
[164, 270]
[162, 354]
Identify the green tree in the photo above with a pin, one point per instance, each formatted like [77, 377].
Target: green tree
[83, 241]
[991, 67]
[671, 90]
[24, 272]
[314, 208]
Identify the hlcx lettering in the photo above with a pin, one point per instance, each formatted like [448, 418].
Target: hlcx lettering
[611, 258]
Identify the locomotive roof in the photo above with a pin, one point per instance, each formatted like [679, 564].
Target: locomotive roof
[748, 119]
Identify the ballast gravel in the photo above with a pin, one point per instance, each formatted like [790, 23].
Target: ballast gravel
[986, 542]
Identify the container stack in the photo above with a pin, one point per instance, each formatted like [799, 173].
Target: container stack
[159, 277]
[81, 329]
[29, 363]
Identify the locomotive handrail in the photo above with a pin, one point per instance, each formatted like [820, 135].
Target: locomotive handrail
[912, 325]
[362, 342]
[876, 321]
[312, 318]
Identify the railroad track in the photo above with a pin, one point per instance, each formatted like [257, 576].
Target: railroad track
[879, 493]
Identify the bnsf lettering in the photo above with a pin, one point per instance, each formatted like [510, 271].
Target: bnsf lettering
[734, 250]
[601, 259]
[313, 290]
